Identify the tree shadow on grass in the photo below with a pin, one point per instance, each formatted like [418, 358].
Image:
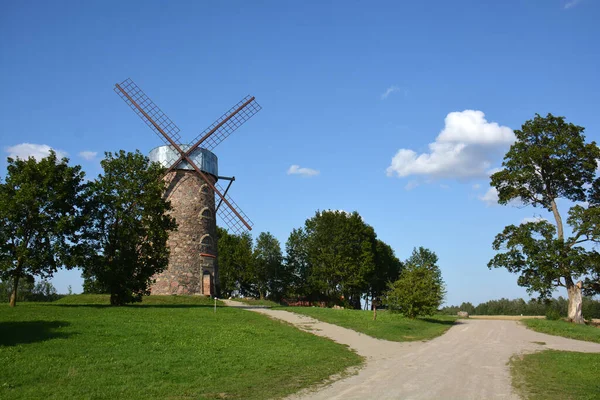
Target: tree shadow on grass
[441, 322]
[141, 305]
[13, 333]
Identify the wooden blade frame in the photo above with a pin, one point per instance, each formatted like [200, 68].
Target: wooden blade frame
[159, 127]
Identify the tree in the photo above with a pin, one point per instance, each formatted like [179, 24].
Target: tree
[387, 269]
[297, 262]
[127, 227]
[235, 262]
[40, 216]
[341, 253]
[420, 289]
[268, 272]
[549, 161]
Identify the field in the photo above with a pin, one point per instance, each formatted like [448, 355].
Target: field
[557, 375]
[589, 333]
[165, 348]
[388, 326]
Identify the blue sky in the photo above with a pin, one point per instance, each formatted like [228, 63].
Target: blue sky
[403, 108]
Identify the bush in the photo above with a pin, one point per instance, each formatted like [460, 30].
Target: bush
[552, 314]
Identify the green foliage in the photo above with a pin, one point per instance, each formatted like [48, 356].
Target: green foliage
[40, 210]
[552, 314]
[557, 375]
[268, 273]
[588, 333]
[388, 326]
[420, 288]
[591, 307]
[550, 160]
[179, 348]
[235, 263]
[127, 228]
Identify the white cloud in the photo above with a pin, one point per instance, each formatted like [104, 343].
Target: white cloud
[532, 219]
[476, 186]
[464, 149]
[88, 155]
[571, 4]
[490, 198]
[389, 91]
[37, 151]
[296, 170]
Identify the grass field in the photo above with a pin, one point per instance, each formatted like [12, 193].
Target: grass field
[557, 375]
[562, 328]
[388, 326]
[166, 348]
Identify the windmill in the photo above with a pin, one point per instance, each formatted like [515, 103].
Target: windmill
[193, 189]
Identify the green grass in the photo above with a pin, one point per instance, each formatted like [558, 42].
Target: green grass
[388, 326]
[562, 328]
[166, 348]
[557, 375]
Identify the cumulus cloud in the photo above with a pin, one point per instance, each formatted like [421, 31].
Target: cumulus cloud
[297, 170]
[88, 155]
[464, 149]
[476, 186]
[490, 198]
[37, 151]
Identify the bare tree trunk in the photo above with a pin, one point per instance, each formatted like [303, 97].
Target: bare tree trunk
[575, 302]
[374, 311]
[13, 295]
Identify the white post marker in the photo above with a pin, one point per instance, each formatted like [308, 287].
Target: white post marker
[215, 305]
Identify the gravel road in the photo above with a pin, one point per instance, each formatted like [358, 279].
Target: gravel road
[467, 362]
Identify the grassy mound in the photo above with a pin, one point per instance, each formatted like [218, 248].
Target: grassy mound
[388, 326]
[566, 329]
[172, 347]
[557, 375]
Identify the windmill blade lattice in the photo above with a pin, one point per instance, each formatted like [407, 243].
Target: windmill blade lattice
[131, 91]
[234, 224]
[228, 123]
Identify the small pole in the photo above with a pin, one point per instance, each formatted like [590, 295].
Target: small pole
[215, 305]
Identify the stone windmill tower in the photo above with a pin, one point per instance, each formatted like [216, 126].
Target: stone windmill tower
[193, 188]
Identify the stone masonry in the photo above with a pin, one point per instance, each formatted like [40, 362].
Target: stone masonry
[192, 266]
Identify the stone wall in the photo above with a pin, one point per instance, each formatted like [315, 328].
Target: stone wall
[194, 244]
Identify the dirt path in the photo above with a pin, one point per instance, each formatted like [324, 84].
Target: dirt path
[467, 362]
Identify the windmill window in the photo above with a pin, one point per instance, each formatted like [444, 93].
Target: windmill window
[204, 188]
[206, 239]
[206, 213]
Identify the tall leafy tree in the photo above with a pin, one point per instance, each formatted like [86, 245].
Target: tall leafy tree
[387, 269]
[341, 250]
[128, 226]
[40, 218]
[269, 274]
[549, 161]
[420, 289]
[298, 264]
[235, 262]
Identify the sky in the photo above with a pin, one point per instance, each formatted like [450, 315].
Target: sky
[397, 110]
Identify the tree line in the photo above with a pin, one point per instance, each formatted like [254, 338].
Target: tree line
[115, 228]
[335, 258]
[591, 307]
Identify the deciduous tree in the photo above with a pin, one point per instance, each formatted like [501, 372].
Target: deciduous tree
[550, 161]
[420, 289]
[128, 226]
[40, 218]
